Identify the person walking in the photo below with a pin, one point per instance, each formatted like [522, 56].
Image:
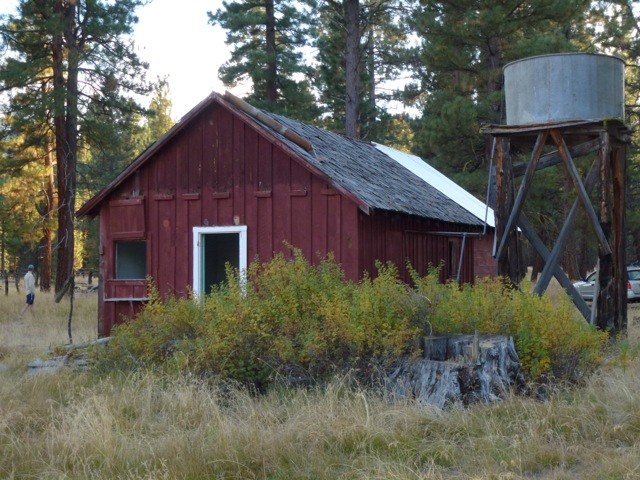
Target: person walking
[30, 287]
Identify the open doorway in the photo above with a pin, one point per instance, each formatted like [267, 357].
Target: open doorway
[213, 248]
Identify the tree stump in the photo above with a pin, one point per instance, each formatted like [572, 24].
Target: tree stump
[458, 369]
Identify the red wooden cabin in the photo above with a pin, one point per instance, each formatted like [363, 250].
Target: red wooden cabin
[229, 183]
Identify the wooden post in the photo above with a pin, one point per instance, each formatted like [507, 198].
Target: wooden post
[605, 312]
[509, 259]
[609, 310]
[619, 167]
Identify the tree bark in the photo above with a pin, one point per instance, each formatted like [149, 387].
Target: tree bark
[272, 66]
[458, 369]
[46, 241]
[605, 306]
[66, 126]
[352, 62]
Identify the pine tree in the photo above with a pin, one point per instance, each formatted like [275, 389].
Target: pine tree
[267, 37]
[71, 58]
[159, 120]
[465, 45]
[360, 46]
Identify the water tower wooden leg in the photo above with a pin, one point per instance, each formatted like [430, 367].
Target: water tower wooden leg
[509, 259]
[605, 314]
[525, 185]
[619, 167]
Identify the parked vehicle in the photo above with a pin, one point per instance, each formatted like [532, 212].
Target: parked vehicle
[587, 287]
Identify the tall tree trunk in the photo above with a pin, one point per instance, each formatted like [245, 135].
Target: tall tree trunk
[352, 62]
[47, 232]
[371, 75]
[59, 125]
[66, 123]
[272, 66]
[494, 63]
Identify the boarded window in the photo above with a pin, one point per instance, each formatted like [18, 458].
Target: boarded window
[126, 218]
[131, 259]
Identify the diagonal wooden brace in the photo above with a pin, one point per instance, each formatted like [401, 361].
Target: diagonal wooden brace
[582, 193]
[562, 278]
[552, 262]
[522, 192]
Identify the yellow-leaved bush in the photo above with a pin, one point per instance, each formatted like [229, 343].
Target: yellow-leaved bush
[290, 317]
[551, 337]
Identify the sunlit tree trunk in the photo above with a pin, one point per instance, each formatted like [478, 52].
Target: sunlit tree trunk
[66, 126]
[47, 232]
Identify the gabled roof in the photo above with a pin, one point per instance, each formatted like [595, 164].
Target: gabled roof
[378, 177]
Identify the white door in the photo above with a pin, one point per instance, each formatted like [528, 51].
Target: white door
[213, 249]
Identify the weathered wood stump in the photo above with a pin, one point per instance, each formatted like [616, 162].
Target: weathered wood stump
[458, 369]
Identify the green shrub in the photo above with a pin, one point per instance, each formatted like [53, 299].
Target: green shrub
[289, 317]
[552, 339]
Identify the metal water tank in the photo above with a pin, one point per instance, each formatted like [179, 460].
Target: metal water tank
[564, 86]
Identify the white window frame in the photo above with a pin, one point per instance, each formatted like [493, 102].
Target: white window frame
[198, 232]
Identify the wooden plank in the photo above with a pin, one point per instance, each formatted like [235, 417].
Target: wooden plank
[166, 236]
[619, 168]
[182, 241]
[265, 205]
[318, 216]
[250, 201]
[543, 251]
[582, 194]
[605, 314]
[239, 183]
[106, 265]
[334, 226]
[224, 174]
[525, 186]
[554, 158]
[350, 241]
[281, 201]
[301, 221]
[551, 263]
[509, 263]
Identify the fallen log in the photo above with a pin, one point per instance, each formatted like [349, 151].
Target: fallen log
[458, 369]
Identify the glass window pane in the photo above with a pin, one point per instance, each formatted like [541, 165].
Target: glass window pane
[131, 260]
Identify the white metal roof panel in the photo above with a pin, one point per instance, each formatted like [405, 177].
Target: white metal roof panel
[440, 182]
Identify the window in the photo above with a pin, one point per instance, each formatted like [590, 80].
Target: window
[131, 259]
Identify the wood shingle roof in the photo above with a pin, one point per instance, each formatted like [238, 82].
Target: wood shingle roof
[362, 169]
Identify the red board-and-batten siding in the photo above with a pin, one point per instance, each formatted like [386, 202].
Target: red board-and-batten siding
[223, 171]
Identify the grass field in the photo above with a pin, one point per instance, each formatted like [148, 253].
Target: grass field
[144, 425]
[48, 324]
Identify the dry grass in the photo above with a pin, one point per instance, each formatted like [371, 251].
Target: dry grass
[145, 425]
[47, 327]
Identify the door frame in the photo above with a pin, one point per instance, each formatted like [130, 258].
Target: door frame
[198, 232]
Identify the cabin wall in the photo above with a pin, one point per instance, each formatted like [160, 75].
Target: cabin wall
[422, 243]
[218, 172]
[485, 264]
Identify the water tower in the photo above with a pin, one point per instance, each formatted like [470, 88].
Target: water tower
[572, 103]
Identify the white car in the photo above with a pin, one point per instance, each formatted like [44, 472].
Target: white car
[587, 287]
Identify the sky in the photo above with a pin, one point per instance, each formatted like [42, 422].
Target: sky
[175, 38]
